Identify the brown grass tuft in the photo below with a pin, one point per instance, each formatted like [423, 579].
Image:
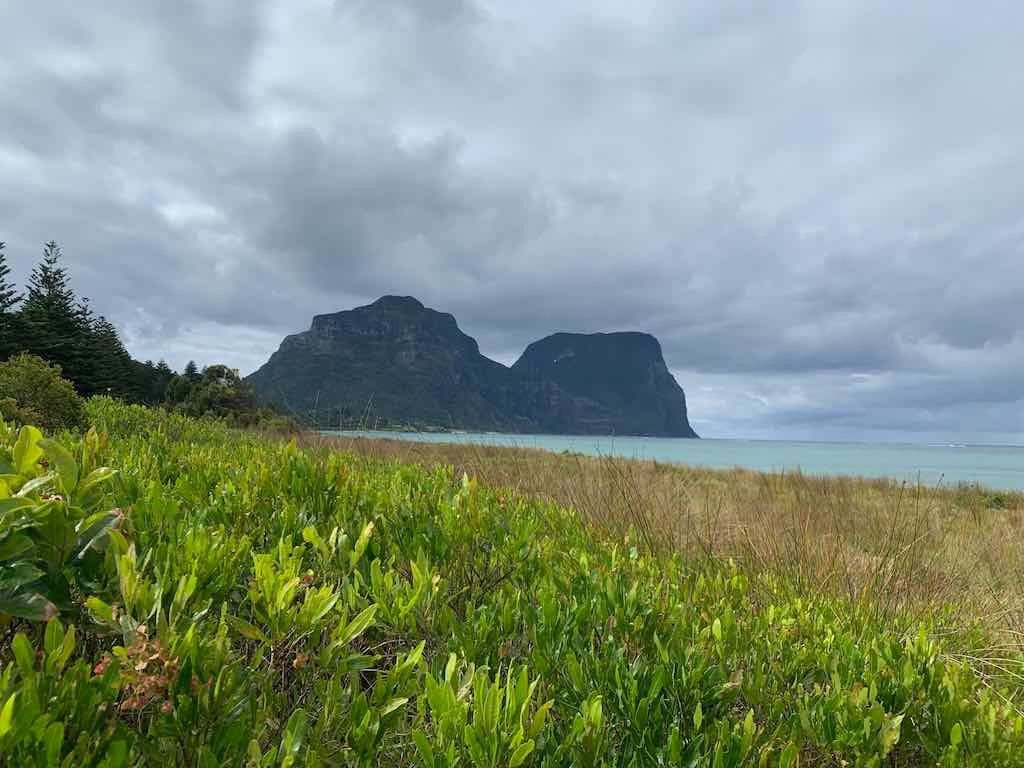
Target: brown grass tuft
[890, 546]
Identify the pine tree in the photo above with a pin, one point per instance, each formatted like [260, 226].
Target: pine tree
[10, 336]
[191, 371]
[143, 384]
[9, 297]
[114, 367]
[165, 378]
[154, 381]
[51, 317]
[87, 349]
[53, 324]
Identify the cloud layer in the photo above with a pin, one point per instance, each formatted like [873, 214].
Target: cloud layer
[814, 205]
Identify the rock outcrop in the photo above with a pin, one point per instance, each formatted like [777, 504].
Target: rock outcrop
[599, 383]
[396, 362]
[393, 361]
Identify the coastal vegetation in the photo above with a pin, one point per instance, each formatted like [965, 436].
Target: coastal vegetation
[33, 392]
[54, 350]
[182, 584]
[50, 321]
[895, 545]
[178, 592]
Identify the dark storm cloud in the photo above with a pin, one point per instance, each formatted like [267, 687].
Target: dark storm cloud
[814, 206]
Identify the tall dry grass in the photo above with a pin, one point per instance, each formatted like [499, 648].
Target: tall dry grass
[886, 545]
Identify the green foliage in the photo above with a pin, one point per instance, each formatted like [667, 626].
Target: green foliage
[8, 293]
[479, 721]
[53, 323]
[60, 328]
[56, 325]
[220, 393]
[261, 605]
[53, 522]
[113, 372]
[10, 333]
[55, 710]
[32, 391]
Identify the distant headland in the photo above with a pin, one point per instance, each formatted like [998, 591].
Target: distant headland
[396, 361]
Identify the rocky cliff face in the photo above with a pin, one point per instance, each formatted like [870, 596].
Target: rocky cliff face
[396, 361]
[600, 383]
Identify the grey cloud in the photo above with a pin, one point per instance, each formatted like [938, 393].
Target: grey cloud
[429, 11]
[814, 206]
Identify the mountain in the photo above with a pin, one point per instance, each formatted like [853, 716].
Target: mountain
[396, 361]
[600, 383]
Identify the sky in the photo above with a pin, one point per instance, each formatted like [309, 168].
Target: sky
[815, 205]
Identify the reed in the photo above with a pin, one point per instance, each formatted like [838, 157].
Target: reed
[891, 545]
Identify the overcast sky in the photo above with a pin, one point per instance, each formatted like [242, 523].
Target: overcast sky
[816, 206]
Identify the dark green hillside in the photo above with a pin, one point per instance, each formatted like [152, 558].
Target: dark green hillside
[393, 359]
[604, 383]
[397, 362]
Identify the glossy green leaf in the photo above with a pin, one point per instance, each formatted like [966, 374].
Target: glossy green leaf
[519, 756]
[26, 450]
[36, 484]
[53, 739]
[12, 548]
[94, 528]
[789, 757]
[356, 627]
[65, 464]
[7, 715]
[27, 605]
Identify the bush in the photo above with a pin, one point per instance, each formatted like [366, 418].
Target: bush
[32, 391]
[262, 605]
[220, 393]
[52, 520]
[11, 411]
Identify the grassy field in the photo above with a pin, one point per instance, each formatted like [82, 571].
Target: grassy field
[897, 546]
[215, 598]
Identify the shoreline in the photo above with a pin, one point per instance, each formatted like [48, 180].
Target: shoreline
[930, 465]
[952, 545]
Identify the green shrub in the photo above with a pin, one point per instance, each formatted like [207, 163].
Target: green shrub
[32, 391]
[52, 520]
[220, 393]
[260, 605]
[57, 708]
[12, 412]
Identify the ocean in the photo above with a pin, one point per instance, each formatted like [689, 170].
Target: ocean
[994, 466]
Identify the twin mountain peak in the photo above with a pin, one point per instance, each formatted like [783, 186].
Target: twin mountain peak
[396, 362]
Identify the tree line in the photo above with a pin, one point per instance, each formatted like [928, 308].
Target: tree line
[48, 320]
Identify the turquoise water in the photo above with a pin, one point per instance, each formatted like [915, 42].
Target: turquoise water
[998, 467]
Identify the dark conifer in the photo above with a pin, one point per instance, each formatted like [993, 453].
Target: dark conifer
[115, 369]
[10, 333]
[51, 316]
[87, 351]
[9, 297]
